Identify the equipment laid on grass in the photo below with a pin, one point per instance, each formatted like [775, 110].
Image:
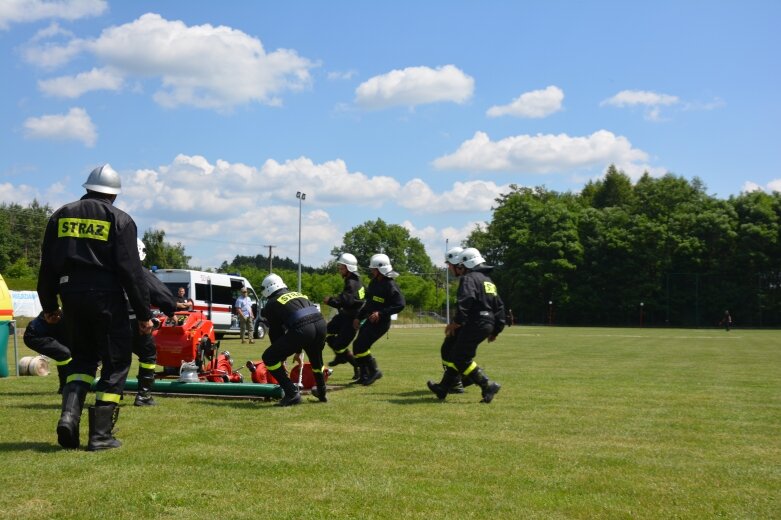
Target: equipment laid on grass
[207, 388]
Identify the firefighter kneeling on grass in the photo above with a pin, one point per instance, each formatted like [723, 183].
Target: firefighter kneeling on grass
[294, 324]
[479, 316]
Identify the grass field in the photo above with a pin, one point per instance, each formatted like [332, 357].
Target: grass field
[590, 423]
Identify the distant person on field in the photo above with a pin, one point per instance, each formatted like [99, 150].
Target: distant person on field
[182, 302]
[727, 321]
[480, 315]
[340, 329]
[243, 307]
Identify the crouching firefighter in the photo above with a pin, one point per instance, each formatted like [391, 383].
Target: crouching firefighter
[479, 316]
[89, 258]
[340, 330]
[144, 344]
[47, 337]
[294, 324]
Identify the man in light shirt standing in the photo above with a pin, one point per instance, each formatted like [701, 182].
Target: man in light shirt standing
[243, 307]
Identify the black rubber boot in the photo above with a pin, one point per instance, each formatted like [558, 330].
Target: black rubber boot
[146, 379]
[361, 371]
[321, 391]
[374, 372]
[101, 427]
[339, 359]
[292, 395]
[442, 388]
[490, 388]
[73, 396]
[457, 387]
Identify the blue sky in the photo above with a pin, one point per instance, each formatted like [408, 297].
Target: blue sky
[420, 113]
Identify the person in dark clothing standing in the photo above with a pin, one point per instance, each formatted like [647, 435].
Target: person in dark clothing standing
[89, 257]
[294, 324]
[383, 299]
[340, 331]
[144, 344]
[480, 316]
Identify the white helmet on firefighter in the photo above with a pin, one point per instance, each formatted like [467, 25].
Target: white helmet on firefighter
[381, 262]
[271, 284]
[104, 179]
[349, 261]
[141, 249]
[471, 258]
[453, 255]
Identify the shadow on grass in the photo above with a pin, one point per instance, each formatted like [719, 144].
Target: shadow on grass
[27, 394]
[41, 447]
[37, 406]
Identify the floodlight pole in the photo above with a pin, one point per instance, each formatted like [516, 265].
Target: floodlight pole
[301, 197]
[447, 287]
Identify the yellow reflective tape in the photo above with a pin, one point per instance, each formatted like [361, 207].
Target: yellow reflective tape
[109, 398]
[289, 296]
[86, 378]
[378, 299]
[62, 363]
[489, 288]
[361, 293]
[318, 370]
[340, 351]
[368, 352]
[471, 367]
[150, 366]
[83, 228]
[274, 367]
[449, 364]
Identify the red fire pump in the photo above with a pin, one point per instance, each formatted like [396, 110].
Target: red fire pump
[188, 337]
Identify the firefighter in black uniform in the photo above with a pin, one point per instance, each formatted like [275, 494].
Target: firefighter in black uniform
[383, 299]
[294, 324]
[48, 338]
[88, 257]
[452, 258]
[144, 344]
[480, 316]
[340, 331]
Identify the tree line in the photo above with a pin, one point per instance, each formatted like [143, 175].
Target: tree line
[657, 252]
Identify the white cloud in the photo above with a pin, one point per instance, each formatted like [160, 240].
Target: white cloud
[652, 102]
[434, 240]
[19, 11]
[534, 104]
[542, 153]
[75, 125]
[774, 185]
[465, 197]
[415, 86]
[75, 86]
[202, 65]
[627, 98]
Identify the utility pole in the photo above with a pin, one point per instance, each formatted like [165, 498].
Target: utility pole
[270, 247]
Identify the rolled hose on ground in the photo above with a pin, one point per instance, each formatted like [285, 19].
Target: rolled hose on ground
[228, 389]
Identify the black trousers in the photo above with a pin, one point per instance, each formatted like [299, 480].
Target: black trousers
[368, 334]
[459, 353]
[340, 332]
[98, 330]
[309, 337]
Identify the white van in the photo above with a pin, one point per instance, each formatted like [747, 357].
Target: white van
[215, 295]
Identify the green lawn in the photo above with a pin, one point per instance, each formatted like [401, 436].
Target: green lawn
[590, 423]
